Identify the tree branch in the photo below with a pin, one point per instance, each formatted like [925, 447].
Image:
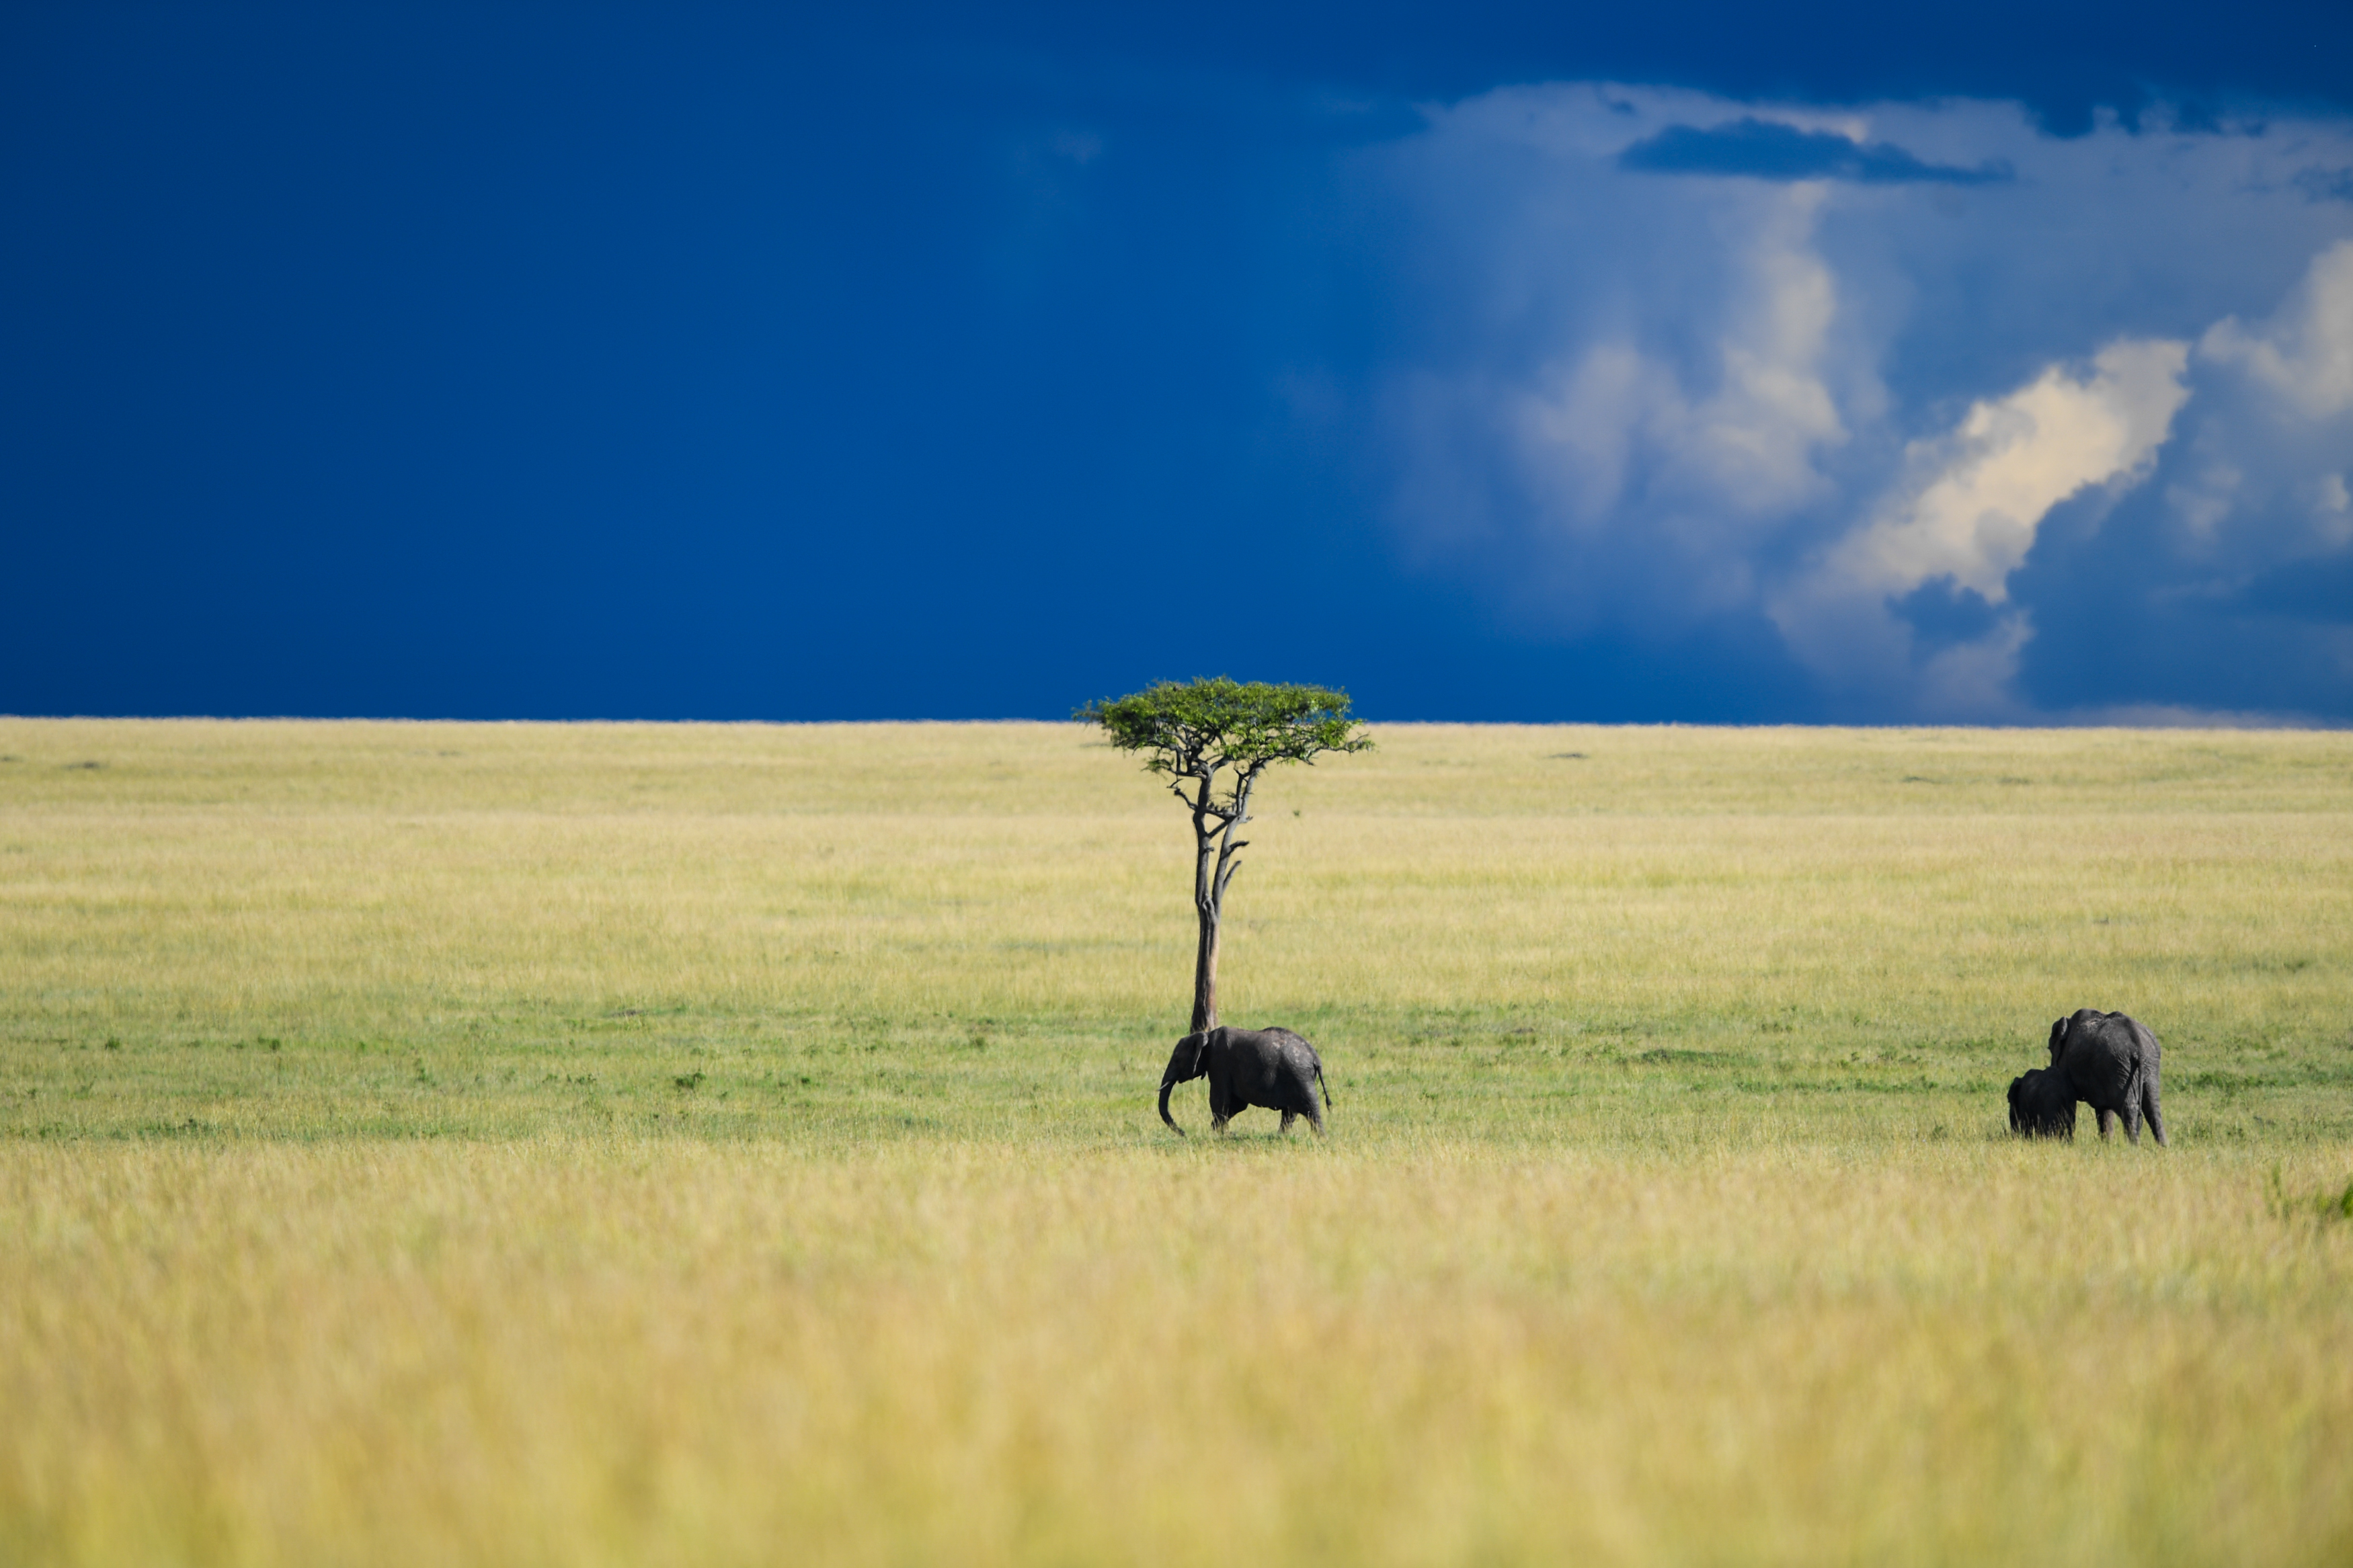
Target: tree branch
[1224, 878]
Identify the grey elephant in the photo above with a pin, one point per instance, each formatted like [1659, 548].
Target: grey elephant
[1272, 1067]
[2041, 1105]
[2106, 1060]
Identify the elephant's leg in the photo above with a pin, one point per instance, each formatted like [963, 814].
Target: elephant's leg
[2132, 1121]
[2155, 1120]
[1223, 1107]
[1288, 1118]
[2107, 1122]
[1303, 1103]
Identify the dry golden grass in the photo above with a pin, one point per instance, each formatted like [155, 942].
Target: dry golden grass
[586, 1143]
[611, 1350]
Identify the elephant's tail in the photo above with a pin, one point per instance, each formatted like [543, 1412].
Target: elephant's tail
[1322, 1085]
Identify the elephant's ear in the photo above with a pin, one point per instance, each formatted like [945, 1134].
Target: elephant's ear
[1199, 1047]
[2058, 1037]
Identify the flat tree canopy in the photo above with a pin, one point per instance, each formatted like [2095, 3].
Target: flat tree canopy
[1211, 739]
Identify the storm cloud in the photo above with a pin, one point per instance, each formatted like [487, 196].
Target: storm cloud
[1766, 149]
[1984, 423]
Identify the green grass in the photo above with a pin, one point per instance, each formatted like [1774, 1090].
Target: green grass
[716, 1143]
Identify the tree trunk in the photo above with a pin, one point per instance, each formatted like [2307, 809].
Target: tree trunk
[1205, 973]
[1206, 902]
[1216, 858]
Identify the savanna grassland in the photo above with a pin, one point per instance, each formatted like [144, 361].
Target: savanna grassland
[706, 1144]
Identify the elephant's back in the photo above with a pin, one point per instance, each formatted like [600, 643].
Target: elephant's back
[2131, 1039]
[2106, 1055]
[1296, 1048]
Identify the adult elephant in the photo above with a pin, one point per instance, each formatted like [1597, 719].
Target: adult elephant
[1272, 1067]
[2106, 1060]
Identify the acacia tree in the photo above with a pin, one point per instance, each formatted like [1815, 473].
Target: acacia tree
[1211, 740]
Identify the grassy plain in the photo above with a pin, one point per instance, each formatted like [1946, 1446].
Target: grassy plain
[682, 1144]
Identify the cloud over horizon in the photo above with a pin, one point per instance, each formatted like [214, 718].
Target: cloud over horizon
[1916, 386]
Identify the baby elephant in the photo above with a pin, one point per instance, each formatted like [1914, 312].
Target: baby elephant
[2041, 1105]
[2108, 1061]
[1272, 1067]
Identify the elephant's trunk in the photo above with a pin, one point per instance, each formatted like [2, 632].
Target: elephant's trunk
[1167, 1084]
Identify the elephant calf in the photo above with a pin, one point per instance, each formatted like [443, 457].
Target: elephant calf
[2108, 1061]
[2041, 1105]
[1272, 1067]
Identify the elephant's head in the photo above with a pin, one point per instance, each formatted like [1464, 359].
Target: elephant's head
[2041, 1105]
[1188, 1061]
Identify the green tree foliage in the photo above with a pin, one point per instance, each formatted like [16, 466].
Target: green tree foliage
[1211, 740]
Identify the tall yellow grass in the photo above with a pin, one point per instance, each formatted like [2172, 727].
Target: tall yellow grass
[564, 1350]
[715, 1144]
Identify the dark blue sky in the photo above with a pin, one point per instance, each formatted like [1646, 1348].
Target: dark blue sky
[709, 361]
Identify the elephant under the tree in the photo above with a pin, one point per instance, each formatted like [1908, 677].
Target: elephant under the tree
[1272, 1067]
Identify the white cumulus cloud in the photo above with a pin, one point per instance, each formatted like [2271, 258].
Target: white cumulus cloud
[1877, 379]
[1744, 441]
[2306, 355]
[1969, 514]
[1991, 482]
